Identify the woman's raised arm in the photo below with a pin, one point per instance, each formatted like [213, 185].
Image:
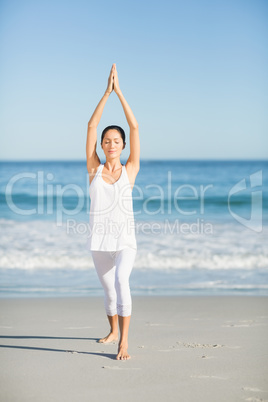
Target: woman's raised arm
[93, 160]
[134, 157]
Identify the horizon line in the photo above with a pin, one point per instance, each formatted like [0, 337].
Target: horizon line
[143, 160]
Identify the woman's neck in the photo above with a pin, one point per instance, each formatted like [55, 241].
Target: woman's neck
[113, 165]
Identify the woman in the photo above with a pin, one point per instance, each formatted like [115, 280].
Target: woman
[112, 240]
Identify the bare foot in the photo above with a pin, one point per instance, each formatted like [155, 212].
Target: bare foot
[122, 352]
[109, 338]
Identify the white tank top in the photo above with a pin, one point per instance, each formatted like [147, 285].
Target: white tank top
[111, 218]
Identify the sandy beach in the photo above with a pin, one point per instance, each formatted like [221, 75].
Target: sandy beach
[182, 349]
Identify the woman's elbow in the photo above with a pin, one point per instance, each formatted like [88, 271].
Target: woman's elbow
[91, 125]
[134, 126]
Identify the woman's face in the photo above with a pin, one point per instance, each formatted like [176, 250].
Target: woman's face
[112, 144]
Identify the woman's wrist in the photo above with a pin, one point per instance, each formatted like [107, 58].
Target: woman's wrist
[119, 92]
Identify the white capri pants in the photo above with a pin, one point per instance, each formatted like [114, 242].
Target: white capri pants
[114, 269]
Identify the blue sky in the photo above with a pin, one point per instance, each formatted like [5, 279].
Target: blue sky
[194, 73]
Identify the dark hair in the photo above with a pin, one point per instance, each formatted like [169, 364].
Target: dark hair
[119, 129]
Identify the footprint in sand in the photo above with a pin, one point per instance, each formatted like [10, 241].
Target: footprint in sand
[191, 345]
[199, 345]
[241, 324]
[208, 357]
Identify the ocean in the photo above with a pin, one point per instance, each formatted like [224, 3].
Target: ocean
[201, 229]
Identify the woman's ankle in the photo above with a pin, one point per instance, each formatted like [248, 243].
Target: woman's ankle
[123, 341]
